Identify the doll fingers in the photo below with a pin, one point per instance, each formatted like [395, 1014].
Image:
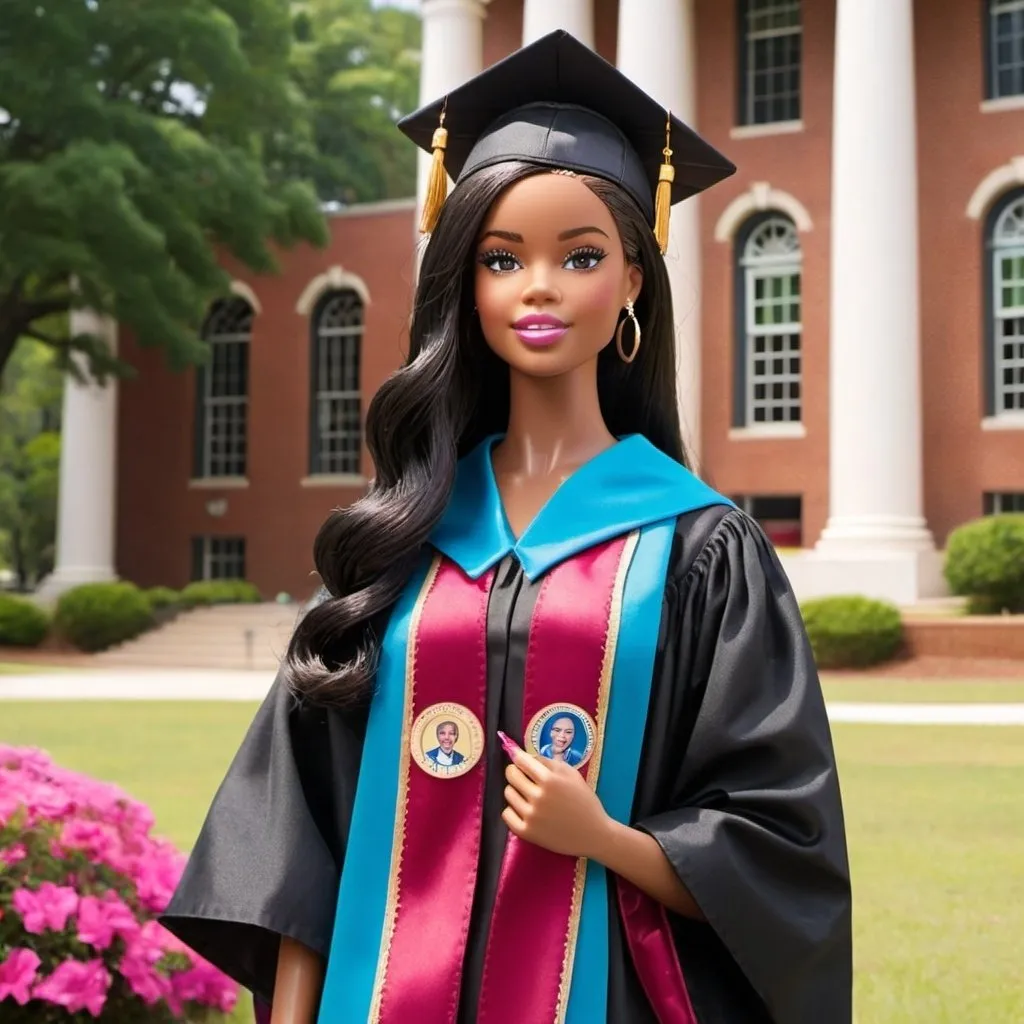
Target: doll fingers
[518, 802]
[516, 825]
[519, 781]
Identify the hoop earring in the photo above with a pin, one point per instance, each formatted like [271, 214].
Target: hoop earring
[630, 315]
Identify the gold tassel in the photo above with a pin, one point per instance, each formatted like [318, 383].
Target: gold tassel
[663, 196]
[437, 183]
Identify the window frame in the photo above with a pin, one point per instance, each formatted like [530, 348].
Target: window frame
[204, 557]
[203, 453]
[742, 406]
[991, 395]
[316, 394]
[989, 15]
[746, 96]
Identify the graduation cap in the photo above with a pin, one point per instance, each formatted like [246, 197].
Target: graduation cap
[556, 103]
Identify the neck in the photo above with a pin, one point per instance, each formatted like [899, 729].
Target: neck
[554, 423]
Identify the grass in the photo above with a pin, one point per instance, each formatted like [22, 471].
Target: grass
[13, 668]
[936, 824]
[935, 818]
[915, 691]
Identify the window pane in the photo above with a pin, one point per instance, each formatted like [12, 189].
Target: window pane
[1006, 48]
[337, 440]
[225, 388]
[771, 55]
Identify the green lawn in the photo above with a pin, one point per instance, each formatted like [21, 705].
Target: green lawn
[918, 691]
[935, 817]
[13, 668]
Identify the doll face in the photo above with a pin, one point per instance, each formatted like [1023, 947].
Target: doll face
[551, 276]
[562, 733]
[447, 734]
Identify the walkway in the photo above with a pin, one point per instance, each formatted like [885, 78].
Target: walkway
[222, 685]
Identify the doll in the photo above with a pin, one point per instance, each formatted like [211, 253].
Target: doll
[552, 747]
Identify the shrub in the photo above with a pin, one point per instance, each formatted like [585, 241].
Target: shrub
[22, 623]
[83, 883]
[985, 563]
[207, 592]
[162, 597]
[95, 616]
[852, 632]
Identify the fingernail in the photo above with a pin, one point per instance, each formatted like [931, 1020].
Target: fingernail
[508, 745]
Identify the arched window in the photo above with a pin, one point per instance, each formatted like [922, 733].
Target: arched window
[768, 366]
[336, 424]
[222, 406]
[1005, 302]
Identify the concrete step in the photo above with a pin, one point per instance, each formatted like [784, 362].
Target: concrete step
[224, 636]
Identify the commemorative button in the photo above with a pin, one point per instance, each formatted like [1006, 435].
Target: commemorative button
[447, 740]
[562, 732]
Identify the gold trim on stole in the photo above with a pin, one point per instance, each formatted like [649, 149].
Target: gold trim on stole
[401, 805]
[603, 696]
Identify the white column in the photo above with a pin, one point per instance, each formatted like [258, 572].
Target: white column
[876, 542]
[875, 394]
[657, 49]
[453, 52]
[88, 468]
[543, 16]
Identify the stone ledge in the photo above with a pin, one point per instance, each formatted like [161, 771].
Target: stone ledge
[976, 636]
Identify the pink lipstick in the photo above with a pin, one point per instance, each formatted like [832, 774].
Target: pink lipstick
[539, 329]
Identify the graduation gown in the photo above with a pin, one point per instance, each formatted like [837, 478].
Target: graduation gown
[737, 783]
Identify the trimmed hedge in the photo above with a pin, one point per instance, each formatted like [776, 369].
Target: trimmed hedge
[96, 616]
[162, 597]
[985, 564]
[851, 631]
[22, 623]
[207, 592]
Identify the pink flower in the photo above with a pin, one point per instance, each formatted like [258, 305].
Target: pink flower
[13, 854]
[204, 984]
[143, 978]
[17, 973]
[101, 919]
[76, 986]
[49, 907]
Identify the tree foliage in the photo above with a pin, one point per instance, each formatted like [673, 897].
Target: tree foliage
[140, 140]
[29, 462]
[358, 67]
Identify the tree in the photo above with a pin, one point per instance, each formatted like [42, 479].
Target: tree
[358, 67]
[30, 401]
[139, 143]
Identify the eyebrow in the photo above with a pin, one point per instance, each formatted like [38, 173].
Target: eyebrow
[512, 236]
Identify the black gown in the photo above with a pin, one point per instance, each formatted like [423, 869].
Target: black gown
[737, 783]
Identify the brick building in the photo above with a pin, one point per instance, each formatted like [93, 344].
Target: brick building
[850, 305]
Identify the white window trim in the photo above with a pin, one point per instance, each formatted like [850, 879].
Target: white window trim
[1003, 103]
[245, 291]
[757, 131]
[334, 279]
[768, 432]
[334, 480]
[760, 198]
[994, 185]
[218, 483]
[1004, 421]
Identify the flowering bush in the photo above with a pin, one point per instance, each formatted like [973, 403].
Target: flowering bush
[81, 883]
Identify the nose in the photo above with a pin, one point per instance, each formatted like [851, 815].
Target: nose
[541, 288]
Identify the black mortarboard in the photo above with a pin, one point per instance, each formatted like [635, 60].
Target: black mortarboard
[557, 103]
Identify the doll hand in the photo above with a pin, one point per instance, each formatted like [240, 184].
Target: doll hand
[551, 805]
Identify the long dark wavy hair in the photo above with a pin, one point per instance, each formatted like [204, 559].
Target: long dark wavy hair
[452, 392]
